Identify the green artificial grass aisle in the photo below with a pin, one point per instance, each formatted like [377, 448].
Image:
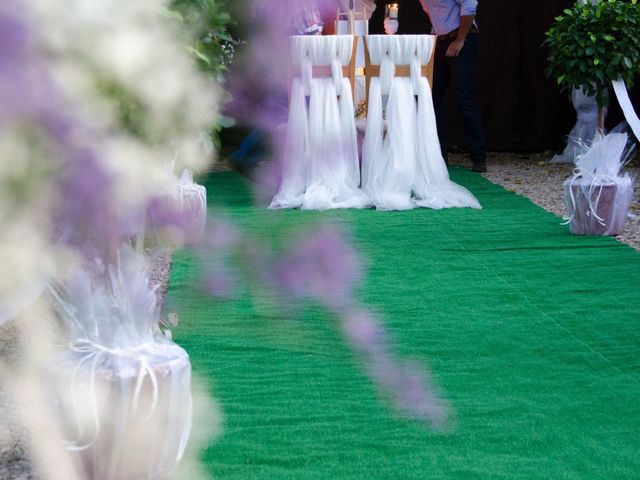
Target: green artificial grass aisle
[532, 333]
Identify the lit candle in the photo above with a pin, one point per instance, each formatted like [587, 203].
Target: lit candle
[393, 10]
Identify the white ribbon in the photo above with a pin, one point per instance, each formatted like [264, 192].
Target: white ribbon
[627, 108]
[306, 74]
[387, 73]
[97, 353]
[597, 181]
[336, 74]
[416, 74]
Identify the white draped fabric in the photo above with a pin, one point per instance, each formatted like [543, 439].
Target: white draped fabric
[360, 30]
[622, 94]
[583, 133]
[405, 168]
[321, 167]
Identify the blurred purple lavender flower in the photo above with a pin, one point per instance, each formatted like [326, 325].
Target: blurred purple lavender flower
[162, 214]
[13, 43]
[260, 79]
[223, 241]
[364, 331]
[408, 386]
[416, 395]
[88, 213]
[27, 92]
[223, 236]
[320, 264]
[13, 37]
[222, 283]
[24, 85]
[29, 98]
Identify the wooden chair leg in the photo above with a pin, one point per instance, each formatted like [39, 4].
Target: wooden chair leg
[352, 66]
[367, 68]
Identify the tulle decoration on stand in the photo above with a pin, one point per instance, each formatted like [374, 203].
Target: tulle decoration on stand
[405, 168]
[122, 392]
[598, 195]
[181, 212]
[320, 166]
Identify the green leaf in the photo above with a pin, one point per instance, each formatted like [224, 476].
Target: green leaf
[199, 55]
[168, 13]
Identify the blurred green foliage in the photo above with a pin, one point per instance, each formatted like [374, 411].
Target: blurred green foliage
[205, 25]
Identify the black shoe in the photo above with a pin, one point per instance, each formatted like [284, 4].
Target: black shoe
[479, 167]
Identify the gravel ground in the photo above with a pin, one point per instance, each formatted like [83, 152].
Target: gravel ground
[529, 175]
[14, 458]
[160, 269]
[534, 177]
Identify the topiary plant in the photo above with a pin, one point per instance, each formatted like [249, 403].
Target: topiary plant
[593, 44]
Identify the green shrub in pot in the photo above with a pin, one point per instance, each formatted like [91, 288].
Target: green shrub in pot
[594, 43]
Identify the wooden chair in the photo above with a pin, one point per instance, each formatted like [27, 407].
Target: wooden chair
[348, 71]
[371, 70]
[320, 160]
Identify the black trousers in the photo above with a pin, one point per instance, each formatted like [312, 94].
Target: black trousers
[462, 71]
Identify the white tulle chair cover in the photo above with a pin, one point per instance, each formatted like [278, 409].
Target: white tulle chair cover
[321, 166]
[360, 30]
[405, 168]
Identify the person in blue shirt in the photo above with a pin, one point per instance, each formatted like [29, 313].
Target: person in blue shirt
[455, 61]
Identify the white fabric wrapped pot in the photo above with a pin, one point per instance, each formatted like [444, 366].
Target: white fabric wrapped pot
[126, 414]
[121, 392]
[597, 195]
[598, 207]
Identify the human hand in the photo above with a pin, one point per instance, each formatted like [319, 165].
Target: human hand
[454, 48]
[390, 26]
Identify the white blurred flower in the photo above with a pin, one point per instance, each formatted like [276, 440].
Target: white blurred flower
[124, 49]
[93, 62]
